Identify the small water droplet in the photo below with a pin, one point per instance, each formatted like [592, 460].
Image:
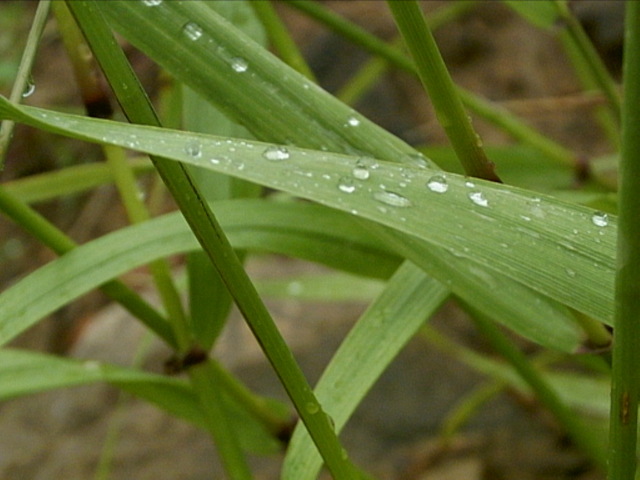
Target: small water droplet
[346, 185]
[525, 218]
[152, 3]
[417, 160]
[438, 184]
[193, 149]
[392, 198]
[312, 408]
[469, 184]
[29, 88]
[192, 30]
[353, 122]
[478, 198]
[239, 64]
[295, 288]
[276, 154]
[478, 141]
[361, 170]
[600, 219]
[571, 273]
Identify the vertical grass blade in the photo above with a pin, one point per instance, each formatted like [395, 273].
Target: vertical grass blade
[436, 79]
[626, 347]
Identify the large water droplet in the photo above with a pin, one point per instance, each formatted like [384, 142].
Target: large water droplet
[361, 170]
[29, 88]
[392, 198]
[438, 184]
[346, 185]
[478, 198]
[600, 219]
[276, 154]
[193, 149]
[152, 3]
[239, 64]
[192, 30]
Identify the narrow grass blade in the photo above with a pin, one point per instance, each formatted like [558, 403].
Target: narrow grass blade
[390, 321]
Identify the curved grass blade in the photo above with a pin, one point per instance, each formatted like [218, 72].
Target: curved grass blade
[561, 250]
[26, 373]
[251, 224]
[391, 320]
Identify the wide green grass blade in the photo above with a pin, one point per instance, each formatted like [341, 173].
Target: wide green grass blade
[249, 84]
[251, 224]
[390, 321]
[562, 250]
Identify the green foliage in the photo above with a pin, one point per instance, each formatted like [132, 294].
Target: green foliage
[529, 254]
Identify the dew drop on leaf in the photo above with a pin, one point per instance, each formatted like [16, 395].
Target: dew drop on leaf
[192, 31]
[353, 122]
[239, 64]
[312, 408]
[438, 184]
[600, 219]
[392, 198]
[276, 154]
[361, 170]
[29, 88]
[193, 149]
[346, 185]
[152, 3]
[479, 199]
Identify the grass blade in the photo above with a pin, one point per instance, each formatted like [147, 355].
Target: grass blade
[537, 240]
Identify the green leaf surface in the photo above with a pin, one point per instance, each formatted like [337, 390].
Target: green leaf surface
[391, 320]
[561, 250]
[251, 224]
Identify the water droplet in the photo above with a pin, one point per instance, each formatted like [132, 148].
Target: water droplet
[152, 3]
[417, 160]
[469, 184]
[353, 122]
[312, 408]
[600, 219]
[478, 141]
[239, 64]
[193, 149]
[192, 30]
[571, 273]
[29, 88]
[438, 184]
[478, 198]
[346, 185]
[361, 170]
[393, 199]
[525, 218]
[276, 154]
[295, 288]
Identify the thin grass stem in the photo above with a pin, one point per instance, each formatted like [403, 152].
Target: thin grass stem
[626, 346]
[21, 83]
